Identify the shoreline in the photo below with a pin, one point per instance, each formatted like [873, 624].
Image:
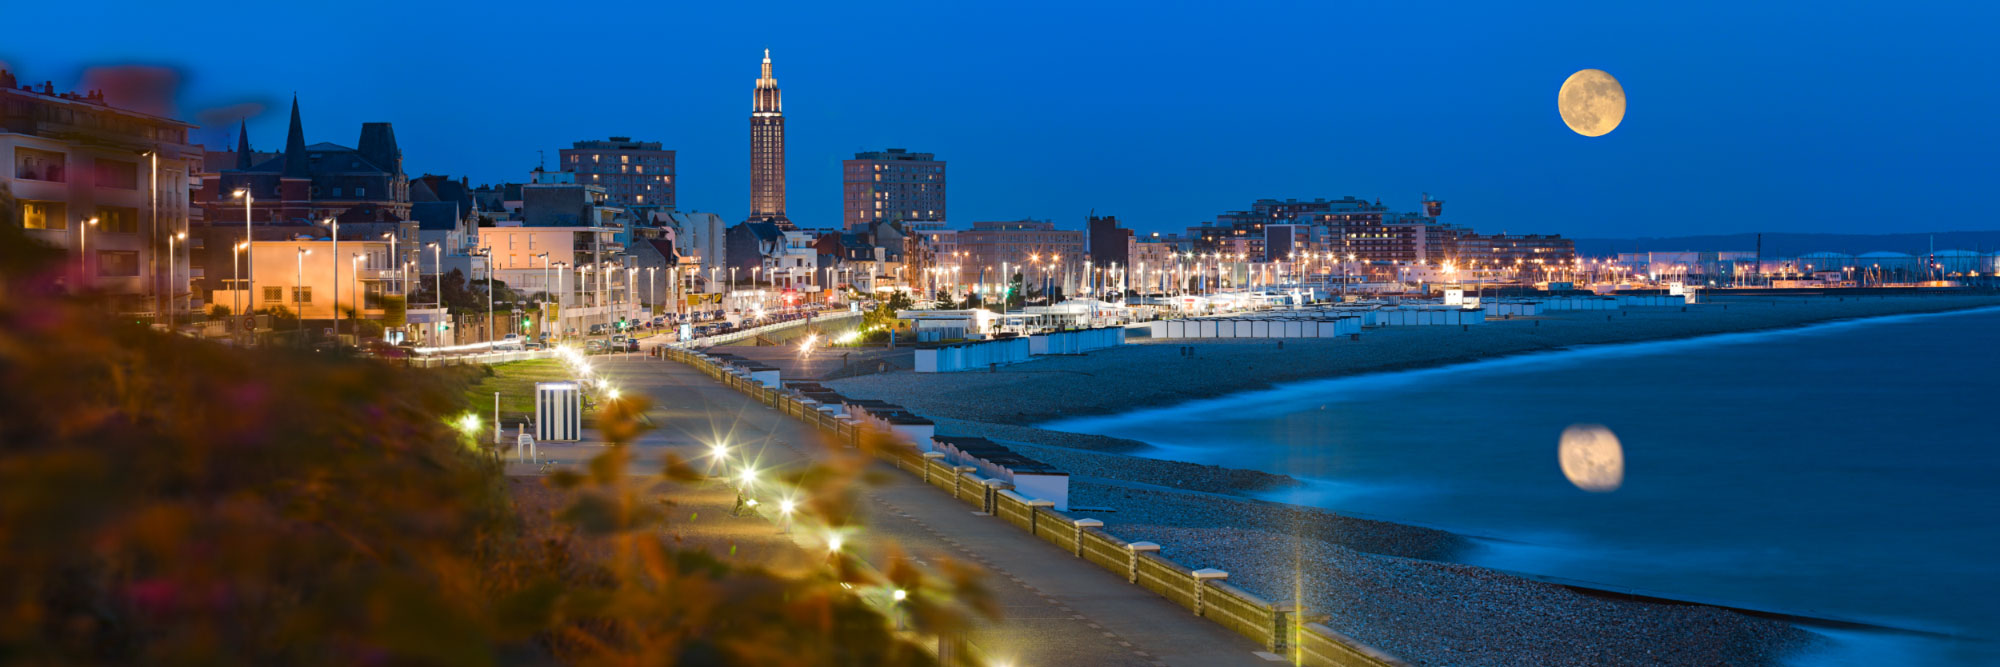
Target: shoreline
[1389, 584]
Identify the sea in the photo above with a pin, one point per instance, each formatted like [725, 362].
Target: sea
[1846, 471]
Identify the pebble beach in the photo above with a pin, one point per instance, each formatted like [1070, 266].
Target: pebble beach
[1390, 585]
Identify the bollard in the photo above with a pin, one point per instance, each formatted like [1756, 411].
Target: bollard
[928, 457]
[1200, 576]
[1080, 525]
[958, 478]
[1132, 562]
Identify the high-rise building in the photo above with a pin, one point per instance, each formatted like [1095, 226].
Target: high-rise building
[638, 175]
[893, 185]
[767, 150]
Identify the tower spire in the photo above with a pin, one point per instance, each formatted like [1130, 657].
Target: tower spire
[295, 146]
[243, 146]
[767, 149]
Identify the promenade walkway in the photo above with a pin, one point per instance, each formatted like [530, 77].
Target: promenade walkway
[1057, 609]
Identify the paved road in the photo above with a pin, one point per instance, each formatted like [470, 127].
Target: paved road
[1058, 609]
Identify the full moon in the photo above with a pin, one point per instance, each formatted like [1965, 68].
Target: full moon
[1591, 458]
[1591, 102]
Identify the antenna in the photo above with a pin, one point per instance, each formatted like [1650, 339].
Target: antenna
[542, 160]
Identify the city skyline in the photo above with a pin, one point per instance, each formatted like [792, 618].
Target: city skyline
[1729, 128]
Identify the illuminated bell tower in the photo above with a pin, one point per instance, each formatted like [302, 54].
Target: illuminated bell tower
[767, 150]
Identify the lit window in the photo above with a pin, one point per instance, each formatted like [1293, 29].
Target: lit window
[44, 215]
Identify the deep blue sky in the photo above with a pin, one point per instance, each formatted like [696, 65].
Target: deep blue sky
[1744, 116]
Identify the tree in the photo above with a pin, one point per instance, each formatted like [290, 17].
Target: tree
[395, 310]
[1017, 296]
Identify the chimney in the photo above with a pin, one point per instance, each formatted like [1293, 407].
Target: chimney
[6, 79]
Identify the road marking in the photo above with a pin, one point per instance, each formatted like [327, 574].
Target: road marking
[1267, 655]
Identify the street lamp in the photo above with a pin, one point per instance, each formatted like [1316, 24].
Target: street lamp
[83, 248]
[651, 294]
[354, 281]
[299, 293]
[249, 252]
[437, 268]
[236, 280]
[335, 224]
[488, 254]
[403, 277]
[170, 277]
[545, 289]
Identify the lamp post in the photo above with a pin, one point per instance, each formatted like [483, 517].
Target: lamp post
[560, 292]
[488, 254]
[83, 249]
[249, 251]
[354, 281]
[437, 268]
[170, 276]
[545, 289]
[236, 280]
[335, 224]
[299, 293]
[652, 296]
[402, 277]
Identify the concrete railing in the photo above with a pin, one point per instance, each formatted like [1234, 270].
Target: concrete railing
[1278, 627]
[745, 334]
[485, 358]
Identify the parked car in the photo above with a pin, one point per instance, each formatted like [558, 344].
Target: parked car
[593, 347]
[534, 346]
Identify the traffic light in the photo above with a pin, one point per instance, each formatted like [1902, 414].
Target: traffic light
[527, 321]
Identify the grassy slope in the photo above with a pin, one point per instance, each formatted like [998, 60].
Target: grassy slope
[516, 383]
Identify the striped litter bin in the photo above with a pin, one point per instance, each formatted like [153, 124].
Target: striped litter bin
[558, 411]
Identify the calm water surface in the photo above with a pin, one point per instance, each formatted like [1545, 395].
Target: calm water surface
[1847, 470]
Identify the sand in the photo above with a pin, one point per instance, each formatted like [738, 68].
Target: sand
[1383, 583]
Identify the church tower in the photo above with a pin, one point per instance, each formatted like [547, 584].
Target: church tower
[767, 150]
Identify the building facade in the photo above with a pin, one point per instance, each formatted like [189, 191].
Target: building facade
[638, 176]
[313, 278]
[892, 185]
[280, 196]
[1038, 244]
[586, 268]
[1514, 252]
[73, 159]
[767, 150]
[1109, 243]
